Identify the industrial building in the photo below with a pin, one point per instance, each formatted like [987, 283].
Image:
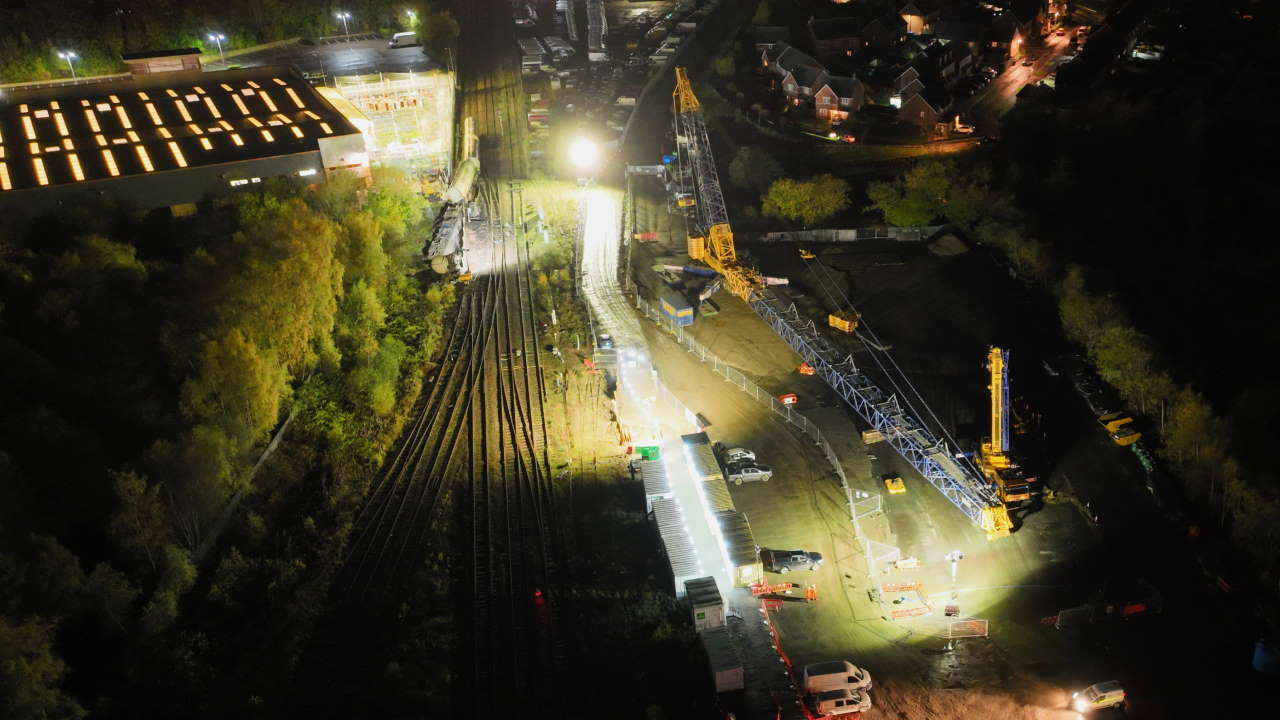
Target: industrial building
[169, 134]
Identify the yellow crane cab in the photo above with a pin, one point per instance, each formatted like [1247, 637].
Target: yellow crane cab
[806, 255]
[844, 320]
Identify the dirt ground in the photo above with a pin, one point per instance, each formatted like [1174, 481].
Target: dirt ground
[925, 305]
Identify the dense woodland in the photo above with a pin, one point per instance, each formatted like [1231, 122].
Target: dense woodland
[99, 30]
[145, 362]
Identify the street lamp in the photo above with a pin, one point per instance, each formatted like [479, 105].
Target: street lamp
[413, 17]
[218, 38]
[70, 56]
[344, 17]
[583, 153]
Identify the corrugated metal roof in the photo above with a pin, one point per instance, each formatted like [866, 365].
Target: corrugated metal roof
[654, 474]
[738, 538]
[716, 490]
[675, 539]
[153, 123]
[703, 592]
[721, 653]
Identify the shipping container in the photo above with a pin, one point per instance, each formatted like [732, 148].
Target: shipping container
[656, 485]
[676, 543]
[676, 308]
[705, 602]
[722, 656]
[702, 459]
[740, 544]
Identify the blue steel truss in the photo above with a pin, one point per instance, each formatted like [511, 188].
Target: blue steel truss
[927, 454]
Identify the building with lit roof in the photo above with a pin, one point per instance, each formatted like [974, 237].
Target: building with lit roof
[170, 135]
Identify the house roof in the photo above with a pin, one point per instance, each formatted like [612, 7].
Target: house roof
[772, 34]
[808, 75]
[837, 28]
[788, 58]
[152, 123]
[148, 54]
[844, 86]
[922, 7]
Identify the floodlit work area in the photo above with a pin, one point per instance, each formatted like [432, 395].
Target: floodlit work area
[410, 116]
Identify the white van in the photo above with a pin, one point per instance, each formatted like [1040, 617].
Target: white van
[403, 39]
[835, 675]
[840, 702]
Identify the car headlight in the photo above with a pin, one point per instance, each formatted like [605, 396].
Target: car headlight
[1081, 705]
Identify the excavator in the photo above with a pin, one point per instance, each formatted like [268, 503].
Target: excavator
[1012, 484]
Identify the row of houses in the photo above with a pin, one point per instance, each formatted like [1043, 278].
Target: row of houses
[907, 54]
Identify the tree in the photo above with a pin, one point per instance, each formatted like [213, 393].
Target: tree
[762, 14]
[109, 595]
[808, 202]
[929, 191]
[140, 523]
[237, 388]
[753, 168]
[31, 673]
[724, 66]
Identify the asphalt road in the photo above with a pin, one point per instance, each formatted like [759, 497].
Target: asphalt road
[999, 97]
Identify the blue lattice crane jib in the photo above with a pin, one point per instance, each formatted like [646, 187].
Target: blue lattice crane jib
[971, 494]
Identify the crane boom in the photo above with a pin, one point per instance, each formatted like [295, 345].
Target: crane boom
[998, 365]
[710, 236]
[711, 241]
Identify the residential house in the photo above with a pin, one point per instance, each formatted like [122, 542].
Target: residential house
[847, 34]
[920, 16]
[783, 58]
[767, 36]
[838, 97]
[803, 82]
[925, 108]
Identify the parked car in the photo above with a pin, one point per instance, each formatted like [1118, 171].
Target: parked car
[739, 474]
[835, 703]
[734, 455]
[604, 342]
[833, 675]
[784, 561]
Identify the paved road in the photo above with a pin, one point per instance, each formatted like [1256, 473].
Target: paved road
[987, 106]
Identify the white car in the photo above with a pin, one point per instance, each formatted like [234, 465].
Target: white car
[840, 702]
[749, 473]
[834, 675]
[1101, 695]
[735, 454]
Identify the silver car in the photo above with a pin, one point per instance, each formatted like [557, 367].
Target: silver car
[739, 474]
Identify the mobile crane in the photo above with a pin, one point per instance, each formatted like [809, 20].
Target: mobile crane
[1011, 482]
[711, 240]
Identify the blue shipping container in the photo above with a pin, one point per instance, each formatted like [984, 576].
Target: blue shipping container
[676, 308]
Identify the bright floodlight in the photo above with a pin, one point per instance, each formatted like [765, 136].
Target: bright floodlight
[583, 153]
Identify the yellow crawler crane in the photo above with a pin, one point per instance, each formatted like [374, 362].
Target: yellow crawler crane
[710, 237]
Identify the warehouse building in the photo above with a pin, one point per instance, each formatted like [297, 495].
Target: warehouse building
[169, 135]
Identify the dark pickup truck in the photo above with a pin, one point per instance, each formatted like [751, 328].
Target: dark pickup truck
[783, 561]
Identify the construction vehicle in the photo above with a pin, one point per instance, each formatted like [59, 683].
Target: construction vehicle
[1098, 696]
[710, 240]
[845, 321]
[894, 485]
[834, 675]
[806, 255]
[710, 237]
[1120, 427]
[1011, 483]
[805, 369]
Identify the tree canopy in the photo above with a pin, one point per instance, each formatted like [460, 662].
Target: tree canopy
[753, 168]
[806, 201]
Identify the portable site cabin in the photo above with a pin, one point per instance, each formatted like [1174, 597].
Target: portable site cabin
[681, 555]
[702, 458]
[653, 473]
[676, 308]
[740, 543]
[706, 603]
[716, 493]
[722, 656]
